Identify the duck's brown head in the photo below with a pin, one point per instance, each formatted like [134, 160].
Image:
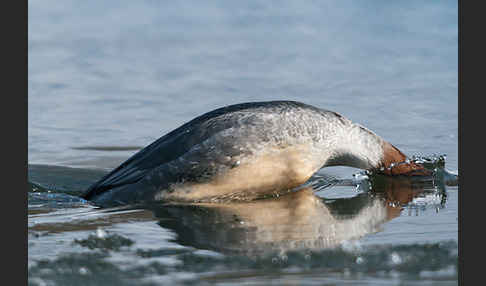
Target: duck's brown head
[395, 163]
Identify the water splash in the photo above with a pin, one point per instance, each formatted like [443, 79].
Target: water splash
[434, 163]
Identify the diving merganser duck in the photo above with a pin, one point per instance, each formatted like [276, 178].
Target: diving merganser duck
[247, 148]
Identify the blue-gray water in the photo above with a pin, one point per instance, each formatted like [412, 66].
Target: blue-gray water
[122, 74]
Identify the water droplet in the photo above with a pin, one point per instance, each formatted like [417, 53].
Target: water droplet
[100, 233]
[395, 258]
[83, 271]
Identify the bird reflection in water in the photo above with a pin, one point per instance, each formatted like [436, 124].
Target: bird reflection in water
[297, 220]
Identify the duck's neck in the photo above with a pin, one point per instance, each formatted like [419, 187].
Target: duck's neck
[357, 146]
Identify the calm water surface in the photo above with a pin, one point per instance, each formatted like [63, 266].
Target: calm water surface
[106, 79]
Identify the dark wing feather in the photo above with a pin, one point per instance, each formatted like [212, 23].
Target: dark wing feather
[162, 150]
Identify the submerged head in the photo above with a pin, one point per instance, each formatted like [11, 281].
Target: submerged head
[394, 163]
